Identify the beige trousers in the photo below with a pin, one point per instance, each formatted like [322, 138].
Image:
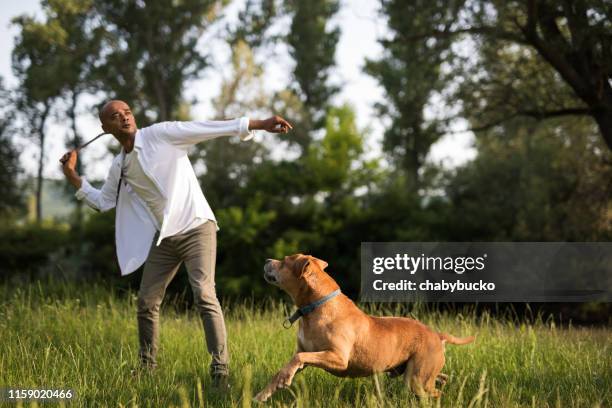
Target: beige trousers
[197, 248]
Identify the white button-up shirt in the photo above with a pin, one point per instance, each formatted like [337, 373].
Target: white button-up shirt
[162, 152]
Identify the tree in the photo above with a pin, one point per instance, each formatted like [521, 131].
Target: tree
[76, 56]
[313, 47]
[532, 176]
[534, 186]
[150, 52]
[573, 38]
[311, 205]
[410, 73]
[36, 67]
[254, 20]
[229, 162]
[11, 195]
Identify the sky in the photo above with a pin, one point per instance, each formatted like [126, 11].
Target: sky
[361, 26]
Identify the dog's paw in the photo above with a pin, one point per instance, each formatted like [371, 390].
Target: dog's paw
[262, 396]
[435, 393]
[283, 379]
[442, 379]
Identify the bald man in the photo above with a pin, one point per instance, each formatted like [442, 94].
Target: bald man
[162, 217]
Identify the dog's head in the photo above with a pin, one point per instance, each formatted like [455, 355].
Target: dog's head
[290, 273]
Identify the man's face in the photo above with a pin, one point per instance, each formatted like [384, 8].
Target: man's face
[117, 118]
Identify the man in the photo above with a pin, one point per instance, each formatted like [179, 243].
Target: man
[162, 217]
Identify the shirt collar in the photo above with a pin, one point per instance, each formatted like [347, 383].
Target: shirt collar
[137, 143]
[138, 140]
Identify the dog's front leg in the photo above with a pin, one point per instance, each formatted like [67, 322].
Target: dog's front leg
[323, 359]
[282, 379]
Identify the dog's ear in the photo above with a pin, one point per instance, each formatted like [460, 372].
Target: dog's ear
[319, 262]
[301, 266]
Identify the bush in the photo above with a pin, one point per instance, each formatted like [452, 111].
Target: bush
[25, 250]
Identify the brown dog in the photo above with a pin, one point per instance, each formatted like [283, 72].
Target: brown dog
[339, 338]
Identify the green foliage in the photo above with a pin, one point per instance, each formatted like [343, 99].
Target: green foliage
[253, 22]
[318, 190]
[11, 195]
[24, 251]
[533, 186]
[241, 251]
[313, 47]
[36, 66]
[410, 73]
[98, 235]
[228, 161]
[571, 42]
[306, 205]
[332, 162]
[35, 61]
[151, 52]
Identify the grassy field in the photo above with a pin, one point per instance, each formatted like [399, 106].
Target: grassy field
[86, 340]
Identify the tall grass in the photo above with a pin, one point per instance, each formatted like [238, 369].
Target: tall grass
[66, 337]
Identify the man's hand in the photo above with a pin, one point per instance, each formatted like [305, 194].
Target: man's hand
[69, 161]
[274, 124]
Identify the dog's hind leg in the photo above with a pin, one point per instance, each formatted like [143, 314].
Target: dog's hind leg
[431, 371]
[422, 371]
[430, 385]
[411, 378]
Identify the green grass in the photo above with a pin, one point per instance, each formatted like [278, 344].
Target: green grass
[87, 341]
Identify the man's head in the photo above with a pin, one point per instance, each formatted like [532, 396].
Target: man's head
[116, 118]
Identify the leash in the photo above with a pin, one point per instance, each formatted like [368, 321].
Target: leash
[303, 311]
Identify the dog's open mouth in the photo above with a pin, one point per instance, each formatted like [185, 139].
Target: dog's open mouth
[268, 274]
[270, 278]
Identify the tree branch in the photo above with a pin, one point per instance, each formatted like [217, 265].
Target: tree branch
[555, 113]
[489, 31]
[540, 115]
[553, 57]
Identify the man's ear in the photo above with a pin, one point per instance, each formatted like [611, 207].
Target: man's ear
[319, 262]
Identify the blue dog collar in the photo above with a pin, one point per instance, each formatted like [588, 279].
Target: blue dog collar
[303, 311]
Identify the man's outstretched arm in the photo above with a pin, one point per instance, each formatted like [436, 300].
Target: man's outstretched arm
[187, 134]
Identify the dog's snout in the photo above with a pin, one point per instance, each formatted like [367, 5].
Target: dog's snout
[269, 274]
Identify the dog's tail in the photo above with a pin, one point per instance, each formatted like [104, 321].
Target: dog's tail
[455, 340]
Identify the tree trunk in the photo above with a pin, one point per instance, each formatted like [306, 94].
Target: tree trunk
[39, 181]
[164, 111]
[603, 118]
[157, 82]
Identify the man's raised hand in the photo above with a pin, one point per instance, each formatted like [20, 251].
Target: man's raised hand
[69, 161]
[274, 124]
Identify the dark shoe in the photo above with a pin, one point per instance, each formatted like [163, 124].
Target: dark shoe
[220, 382]
[142, 369]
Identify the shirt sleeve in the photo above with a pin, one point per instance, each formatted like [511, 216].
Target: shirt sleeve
[186, 134]
[105, 198]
